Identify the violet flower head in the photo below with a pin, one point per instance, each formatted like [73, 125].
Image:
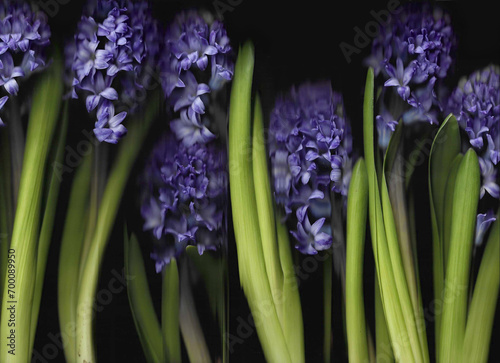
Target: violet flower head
[476, 105]
[483, 223]
[310, 148]
[196, 63]
[111, 59]
[24, 36]
[185, 191]
[412, 54]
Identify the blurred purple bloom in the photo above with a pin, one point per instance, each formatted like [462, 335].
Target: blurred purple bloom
[196, 61]
[310, 149]
[115, 49]
[483, 222]
[9, 73]
[400, 77]
[190, 129]
[184, 195]
[3, 101]
[310, 237]
[476, 105]
[24, 36]
[413, 54]
[108, 126]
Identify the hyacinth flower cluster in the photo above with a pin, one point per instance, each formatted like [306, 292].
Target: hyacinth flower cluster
[310, 148]
[185, 194]
[196, 62]
[112, 61]
[24, 36]
[476, 105]
[412, 55]
[185, 178]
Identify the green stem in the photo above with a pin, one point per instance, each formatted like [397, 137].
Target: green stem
[110, 201]
[191, 330]
[383, 348]
[69, 257]
[327, 307]
[170, 313]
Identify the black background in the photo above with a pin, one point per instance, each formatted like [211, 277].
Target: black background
[293, 43]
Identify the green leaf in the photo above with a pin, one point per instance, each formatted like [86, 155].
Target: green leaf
[465, 201]
[48, 221]
[129, 148]
[382, 337]
[265, 207]
[445, 147]
[397, 228]
[484, 302]
[357, 206]
[448, 215]
[252, 269]
[41, 126]
[6, 201]
[388, 288]
[141, 304]
[396, 180]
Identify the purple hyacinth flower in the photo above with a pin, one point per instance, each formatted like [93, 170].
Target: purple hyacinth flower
[191, 129]
[412, 54]
[24, 37]
[116, 44]
[108, 127]
[196, 62]
[184, 197]
[476, 105]
[310, 149]
[400, 77]
[3, 101]
[190, 94]
[483, 222]
[311, 239]
[489, 176]
[9, 73]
